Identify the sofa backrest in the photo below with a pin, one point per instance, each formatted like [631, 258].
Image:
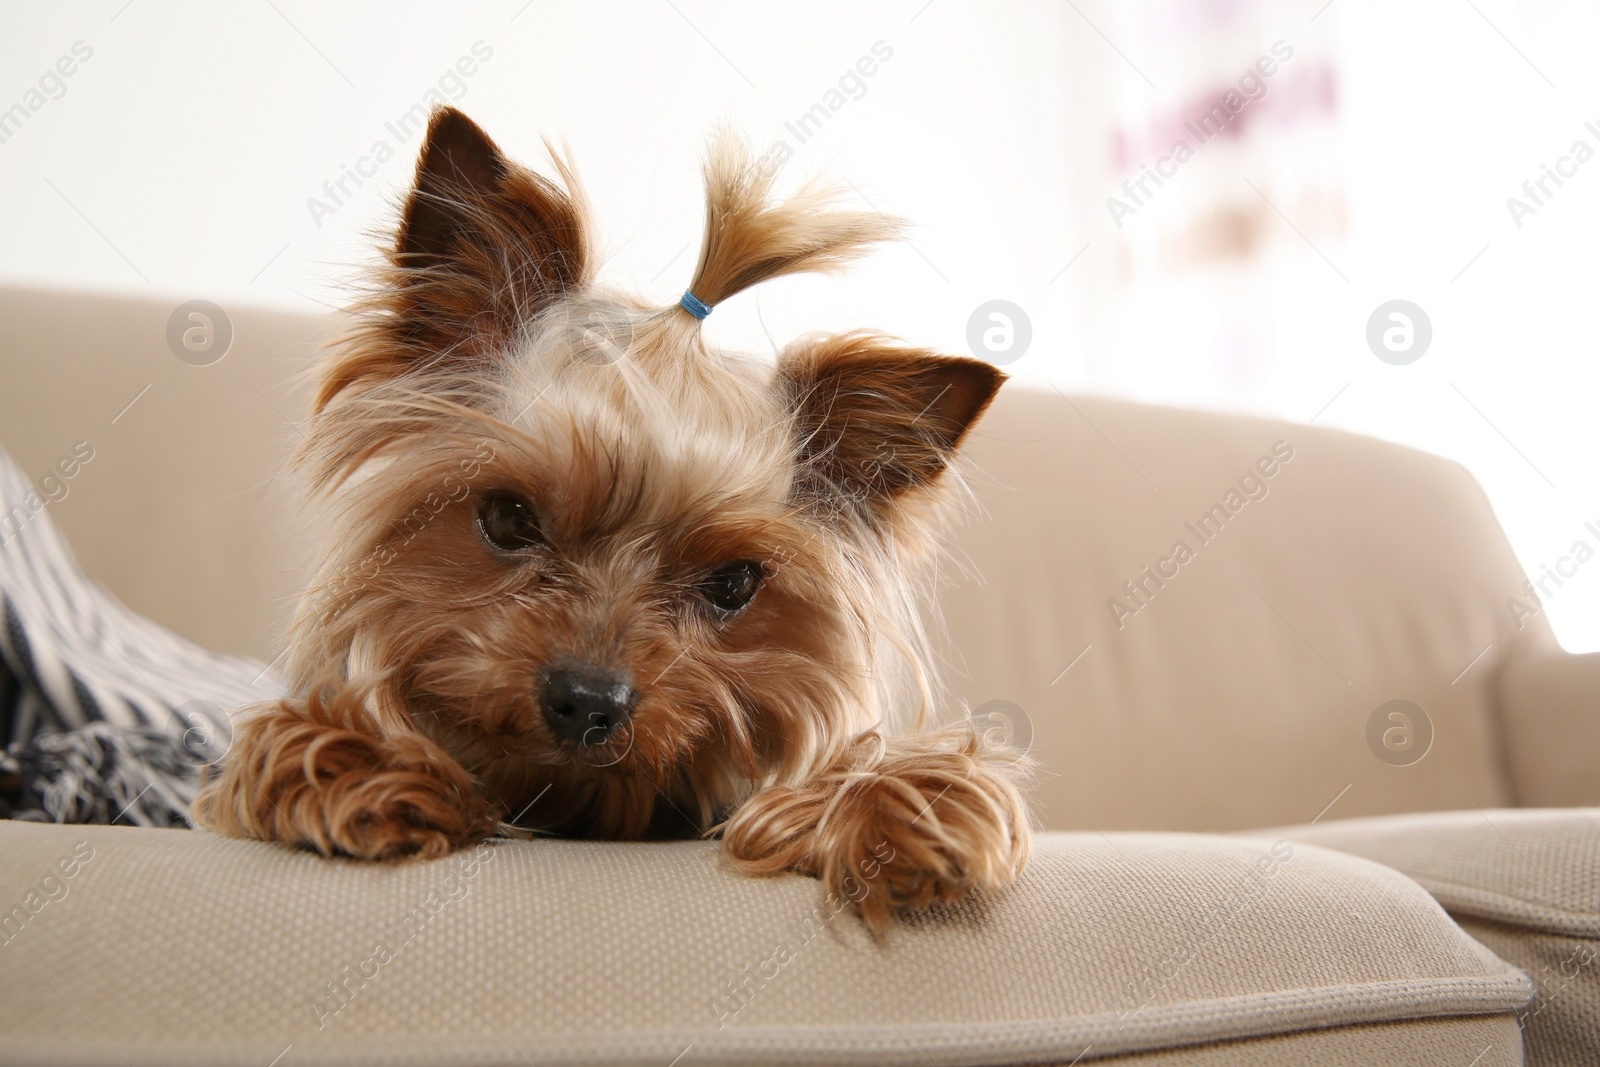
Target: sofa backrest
[1204, 618]
[176, 511]
[1235, 686]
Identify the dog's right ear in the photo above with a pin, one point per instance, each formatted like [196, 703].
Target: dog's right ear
[875, 419]
[484, 245]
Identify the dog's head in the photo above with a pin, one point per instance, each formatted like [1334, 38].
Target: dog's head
[618, 574]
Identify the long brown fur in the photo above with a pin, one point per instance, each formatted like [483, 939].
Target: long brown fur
[488, 362]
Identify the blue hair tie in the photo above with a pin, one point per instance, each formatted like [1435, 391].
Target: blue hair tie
[694, 305]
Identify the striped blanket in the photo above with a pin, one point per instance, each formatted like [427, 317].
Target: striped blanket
[105, 716]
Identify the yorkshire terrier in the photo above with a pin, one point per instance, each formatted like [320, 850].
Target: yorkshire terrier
[586, 575]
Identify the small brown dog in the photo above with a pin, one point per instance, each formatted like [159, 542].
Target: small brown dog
[587, 575]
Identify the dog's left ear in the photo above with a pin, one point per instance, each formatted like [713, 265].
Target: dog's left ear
[874, 418]
[483, 246]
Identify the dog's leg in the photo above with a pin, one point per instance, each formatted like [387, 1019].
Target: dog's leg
[902, 824]
[321, 774]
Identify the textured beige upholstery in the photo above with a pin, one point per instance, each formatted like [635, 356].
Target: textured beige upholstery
[1240, 694]
[596, 953]
[1552, 728]
[1419, 1041]
[1243, 691]
[1525, 883]
[174, 513]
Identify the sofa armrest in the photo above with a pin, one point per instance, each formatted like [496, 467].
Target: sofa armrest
[1550, 715]
[1522, 884]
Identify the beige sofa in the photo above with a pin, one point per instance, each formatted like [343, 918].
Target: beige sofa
[1444, 908]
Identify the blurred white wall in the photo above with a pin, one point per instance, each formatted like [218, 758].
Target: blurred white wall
[195, 149]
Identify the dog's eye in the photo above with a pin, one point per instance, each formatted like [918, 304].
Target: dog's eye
[508, 523]
[731, 587]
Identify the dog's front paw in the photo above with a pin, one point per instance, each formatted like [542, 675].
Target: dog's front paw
[909, 835]
[923, 821]
[321, 776]
[379, 804]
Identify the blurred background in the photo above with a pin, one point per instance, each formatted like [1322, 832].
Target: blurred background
[1336, 156]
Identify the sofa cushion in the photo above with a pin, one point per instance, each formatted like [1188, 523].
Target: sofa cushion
[1525, 883]
[181, 947]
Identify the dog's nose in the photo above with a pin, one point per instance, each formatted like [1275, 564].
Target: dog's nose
[587, 705]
